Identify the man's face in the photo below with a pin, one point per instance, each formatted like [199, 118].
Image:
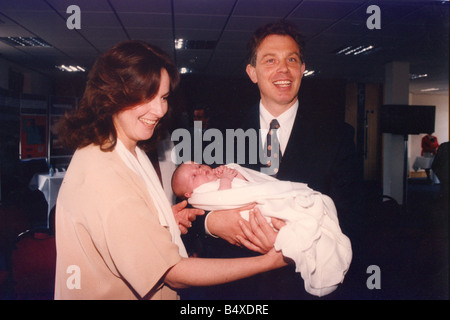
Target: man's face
[278, 72]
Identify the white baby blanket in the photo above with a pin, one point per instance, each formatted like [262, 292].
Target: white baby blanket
[312, 237]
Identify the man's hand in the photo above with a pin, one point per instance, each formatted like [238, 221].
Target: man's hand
[260, 235]
[184, 217]
[225, 224]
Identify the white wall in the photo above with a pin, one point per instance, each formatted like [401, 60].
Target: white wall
[441, 123]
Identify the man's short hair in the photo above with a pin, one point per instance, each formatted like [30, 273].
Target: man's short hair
[282, 28]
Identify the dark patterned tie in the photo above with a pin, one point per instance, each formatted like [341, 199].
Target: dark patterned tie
[272, 148]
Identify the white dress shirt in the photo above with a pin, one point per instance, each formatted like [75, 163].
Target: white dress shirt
[286, 121]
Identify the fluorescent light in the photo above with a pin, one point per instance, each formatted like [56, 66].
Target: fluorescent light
[179, 44]
[430, 89]
[194, 44]
[355, 50]
[308, 73]
[417, 76]
[363, 50]
[184, 70]
[70, 68]
[344, 50]
[64, 68]
[25, 41]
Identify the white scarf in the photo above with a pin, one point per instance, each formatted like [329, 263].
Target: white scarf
[144, 168]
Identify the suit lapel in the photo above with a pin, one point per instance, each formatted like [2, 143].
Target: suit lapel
[297, 155]
[297, 139]
[252, 121]
[252, 118]
[296, 150]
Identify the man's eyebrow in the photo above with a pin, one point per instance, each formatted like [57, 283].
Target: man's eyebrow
[295, 53]
[273, 54]
[267, 55]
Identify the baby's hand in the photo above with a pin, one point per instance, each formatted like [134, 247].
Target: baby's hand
[218, 171]
[228, 173]
[221, 170]
[226, 177]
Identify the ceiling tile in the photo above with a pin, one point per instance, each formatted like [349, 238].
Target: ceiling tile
[265, 8]
[323, 10]
[146, 20]
[199, 22]
[142, 6]
[84, 5]
[197, 34]
[203, 7]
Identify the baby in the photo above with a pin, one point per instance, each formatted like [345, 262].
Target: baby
[189, 176]
[312, 237]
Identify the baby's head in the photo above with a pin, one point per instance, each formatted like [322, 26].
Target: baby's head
[189, 176]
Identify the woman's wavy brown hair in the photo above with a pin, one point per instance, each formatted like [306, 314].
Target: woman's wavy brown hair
[124, 76]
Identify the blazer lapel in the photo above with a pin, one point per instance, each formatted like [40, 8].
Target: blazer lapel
[296, 155]
[251, 119]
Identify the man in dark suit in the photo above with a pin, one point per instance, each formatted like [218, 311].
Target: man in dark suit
[315, 151]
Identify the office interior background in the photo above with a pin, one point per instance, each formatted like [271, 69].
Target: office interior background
[360, 56]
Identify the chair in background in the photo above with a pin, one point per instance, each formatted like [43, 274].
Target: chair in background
[13, 220]
[33, 266]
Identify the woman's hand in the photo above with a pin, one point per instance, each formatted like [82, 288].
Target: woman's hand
[259, 234]
[185, 216]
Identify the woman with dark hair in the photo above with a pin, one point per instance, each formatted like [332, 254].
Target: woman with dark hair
[116, 233]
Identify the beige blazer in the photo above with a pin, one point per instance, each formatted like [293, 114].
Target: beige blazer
[110, 244]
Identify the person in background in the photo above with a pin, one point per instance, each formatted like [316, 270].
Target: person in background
[201, 114]
[440, 167]
[117, 235]
[430, 146]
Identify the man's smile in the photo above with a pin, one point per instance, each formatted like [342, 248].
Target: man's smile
[282, 83]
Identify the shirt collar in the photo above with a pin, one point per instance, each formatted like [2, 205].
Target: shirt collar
[286, 119]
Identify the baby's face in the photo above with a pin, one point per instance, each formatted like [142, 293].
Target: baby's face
[193, 175]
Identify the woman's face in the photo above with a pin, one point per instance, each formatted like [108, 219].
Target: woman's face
[138, 123]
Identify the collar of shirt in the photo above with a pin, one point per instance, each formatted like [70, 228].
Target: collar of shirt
[286, 121]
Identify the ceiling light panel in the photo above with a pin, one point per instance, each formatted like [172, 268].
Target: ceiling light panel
[70, 68]
[182, 44]
[25, 42]
[355, 50]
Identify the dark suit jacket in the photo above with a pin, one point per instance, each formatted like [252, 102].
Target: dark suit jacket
[321, 153]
